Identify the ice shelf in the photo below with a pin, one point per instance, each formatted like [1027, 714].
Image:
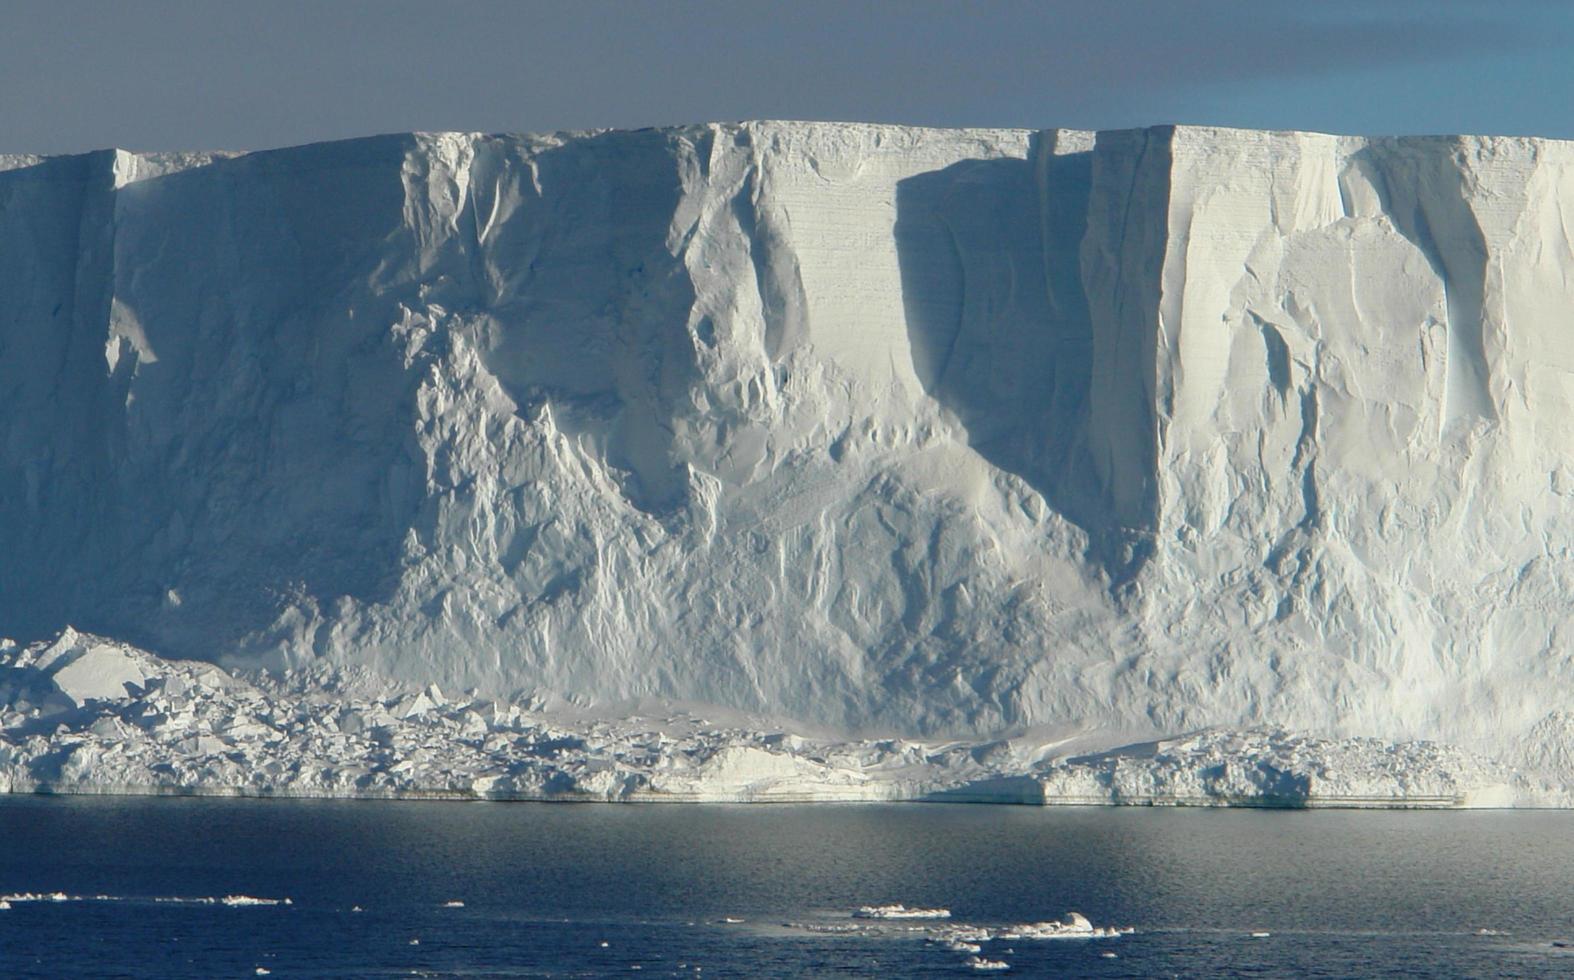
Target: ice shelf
[1254, 446]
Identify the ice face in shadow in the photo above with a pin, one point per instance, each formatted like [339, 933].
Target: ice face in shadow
[612, 354]
[231, 402]
[1002, 334]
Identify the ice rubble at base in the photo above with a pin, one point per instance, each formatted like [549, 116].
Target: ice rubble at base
[932, 432]
[184, 727]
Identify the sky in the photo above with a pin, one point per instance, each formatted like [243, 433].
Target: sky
[250, 74]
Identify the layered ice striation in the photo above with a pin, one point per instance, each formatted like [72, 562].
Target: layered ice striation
[878, 429]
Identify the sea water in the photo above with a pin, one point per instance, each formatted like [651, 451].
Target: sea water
[385, 889]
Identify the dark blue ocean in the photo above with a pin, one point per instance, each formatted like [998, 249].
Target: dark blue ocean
[646, 890]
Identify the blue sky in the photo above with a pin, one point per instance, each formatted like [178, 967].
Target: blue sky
[156, 74]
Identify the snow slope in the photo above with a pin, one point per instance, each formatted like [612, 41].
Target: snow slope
[877, 429]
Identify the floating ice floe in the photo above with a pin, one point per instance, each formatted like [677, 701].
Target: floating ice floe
[933, 926]
[233, 901]
[960, 938]
[900, 911]
[245, 901]
[1074, 926]
[453, 905]
[829, 928]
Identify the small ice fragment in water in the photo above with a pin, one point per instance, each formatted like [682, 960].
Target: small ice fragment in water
[603, 944]
[729, 920]
[1261, 935]
[1110, 954]
[243, 901]
[978, 963]
[453, 905]
[900, 911]
[263, 971]
[415, 942]
[961, 939]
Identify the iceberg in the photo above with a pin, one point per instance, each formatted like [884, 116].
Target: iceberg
[781, 460]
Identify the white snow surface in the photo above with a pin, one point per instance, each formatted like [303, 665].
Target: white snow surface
[956, 452]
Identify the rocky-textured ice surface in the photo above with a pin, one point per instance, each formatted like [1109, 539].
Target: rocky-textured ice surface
[192, 727]
[943, 434]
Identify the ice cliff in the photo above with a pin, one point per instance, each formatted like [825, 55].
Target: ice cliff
[874, 428]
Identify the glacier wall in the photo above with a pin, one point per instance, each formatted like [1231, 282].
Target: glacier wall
[878, 428]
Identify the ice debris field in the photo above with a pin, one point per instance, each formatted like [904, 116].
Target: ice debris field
[879, 923]
[978, 943]
[793, 461]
